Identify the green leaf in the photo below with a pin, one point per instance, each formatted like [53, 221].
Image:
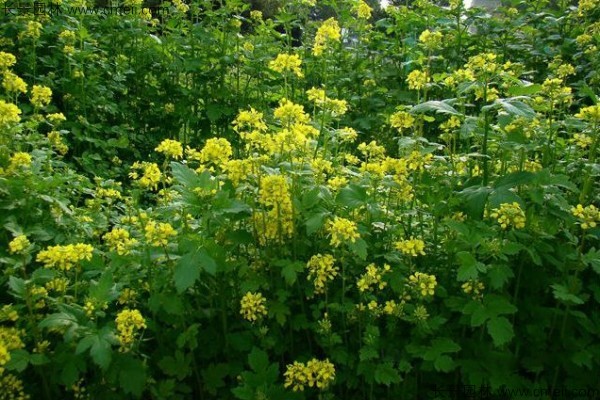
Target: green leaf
[517, 107]
[17, 286]
[501, 331]
[444, 363]
[258, 360]
[101, 351]
[352, 196]
[525, 90]
[386, 374]
[189, 266]
[101, 291]
[188, 178]
[132, 376]
[475, 198]
[499, 275]
[562, 293]
[316, 222]
[469, 266]
[440, 107]
[58, 320]
[592, 259]
[359, 247]
[19, 359]
[290, 271]
[513, 179]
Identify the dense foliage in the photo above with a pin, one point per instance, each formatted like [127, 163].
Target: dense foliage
[196, 204]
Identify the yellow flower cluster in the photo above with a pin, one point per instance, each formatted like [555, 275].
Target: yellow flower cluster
[277, 223]
[363, 10]
[321, 269]
[19, 160]
[12, 387]
[9, 340]
[253, 306]
[289, 113]
[554, 90]
[483, 64]
[18, 244]
[431, 40]
[56, 141]
[216, 151]
[328, 32]
[411, 247]
[423, 283]
[151, 174]
[8, 313]
[58, 285]
[319, 97]
[342, 230]
[12, 83]
[65, 257]
[581, 140]
[347, 135]
[287, 62]
[373, 277]
[180, 6]
[7, 60]
[417, 79]
[32, 30]
[591, 114]
[401, 120]
[129, 322]
[9, 114]
[170, 148]
[56, 118]
[249, 120]
[474, 288]
[585, 7]
[372, 151]
[40, 96]
[315, 373]
[589, 215]
[509, 214]
[158, 234]
[119, 240]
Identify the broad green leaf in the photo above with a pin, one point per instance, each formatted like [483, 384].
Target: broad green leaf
[19, 359]
[444, 363]
[258, 360]
[352, 196]
[132, 376]
[562, 293]
[501, 331]
[386, 374]
[440, 107]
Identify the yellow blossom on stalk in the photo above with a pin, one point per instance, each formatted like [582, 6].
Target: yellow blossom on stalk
[170, 148]
[12, 387]
[347, 135]
[584, 39]
[315, 373]
[401, 120]
[33, 30]
[431, 40]
[585, 7]
[8, 313]
[363, 10]
[484, 63]
[420, 313]
[7, 60]
[56, 118]
[40, 96]
[287, 62]
[127, 296]
[452, 123]
[490, 93]
[248, 46]
[589, 216]
[238, 170]
[216, 151]
[151, 174]
[321, 269]
[249, 119]
[56, 141]
[158, 234]
[181, 6]
[65, 257]
[119, 240]
[58, 285]
[337, 182]
[342, 230]
[509, 214]
[373, 277]
[328, 32]
[253, 306]
[417, 80]
[474, 288]
[18, 244]
[9, 114]
[591, 114]
[564, 70]
[19, 160]
[372, 151]
[411, 247]
[256, 15]
[582, 140]
[423, 283]
[290, 113]
[555, 91]
[12, 83]
[129, 322]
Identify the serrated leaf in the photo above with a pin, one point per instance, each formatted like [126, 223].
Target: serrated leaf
[524, 90]
[188, 178]
[132, 376]
[58, 320]
[562, 293]
[440, 107]
[359, 247]
[501, 331]
[17, 286]
[186, 272]
[315, 222]
[513, 179]
[444, 363]
[352, 196]
[517, 107]
[19, 359]
[386, 374]
[258, 360]
[469, 266]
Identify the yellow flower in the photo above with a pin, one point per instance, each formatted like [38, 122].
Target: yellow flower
[170, 148]
[342, 230]
[314, 373]
[290, 113]
[158, 234]
[581, 140]
[9, 114]
[251, 119]
[347, 135]
[13, 83]
[119, 240]
[589, 216]
[417, 80]
[253, 306]
[424, 284]
[56, 118]
[509, 214]
[129, 322]
[321, 269]
[65, 257]
[19, 160]
[216, 151]
[18, 244]
[287, 62]
[7, 60]
[32, 30]
[151, 174]
[431, 40]
[591, 114]
[328, 32]
[401, 120]
[180, 6]
[40, 96]
[474, 288]
[412, 247]
[373, 277]
[363, 10]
